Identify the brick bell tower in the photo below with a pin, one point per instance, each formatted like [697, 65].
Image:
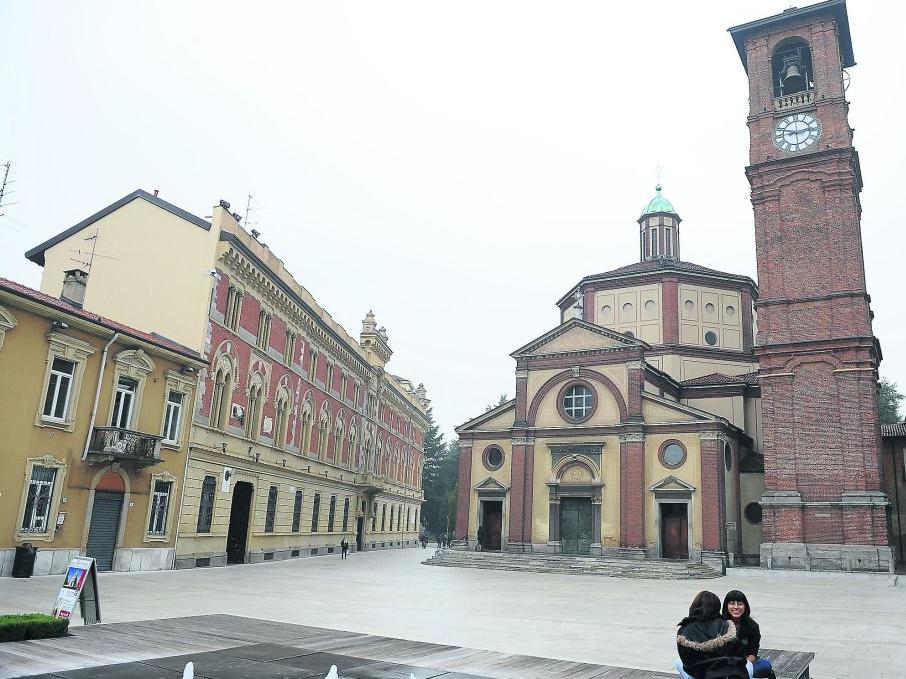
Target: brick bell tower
[823, 506]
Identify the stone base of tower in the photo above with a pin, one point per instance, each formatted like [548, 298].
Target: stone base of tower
[849, 534]
[818, 557]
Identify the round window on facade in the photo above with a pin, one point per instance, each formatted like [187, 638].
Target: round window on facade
[672, 454]
[752, 512]
[728, 456]
[689, 304]
[650, 305]
[493, 458]
[629, 333]
[709, 308]
[627, 308]
[711, 337]
[577, 402]
[730, 311]
[606, 311]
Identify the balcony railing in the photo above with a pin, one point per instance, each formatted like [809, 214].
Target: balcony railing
[372, 482]
[112, 443]
[790, 101]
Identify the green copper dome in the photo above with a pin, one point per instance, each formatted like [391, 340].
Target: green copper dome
[658, 204]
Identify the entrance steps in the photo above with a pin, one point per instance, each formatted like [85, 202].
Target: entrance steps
[612, 566]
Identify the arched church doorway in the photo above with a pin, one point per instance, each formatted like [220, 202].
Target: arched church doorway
[240, 511]
[492, 521]
[576, 525]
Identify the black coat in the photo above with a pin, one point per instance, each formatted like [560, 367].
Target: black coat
[706, 644]
[749, 636]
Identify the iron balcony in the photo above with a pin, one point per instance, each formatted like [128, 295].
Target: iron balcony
[113, 443]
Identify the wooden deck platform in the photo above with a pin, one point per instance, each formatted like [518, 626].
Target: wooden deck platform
[262, 648]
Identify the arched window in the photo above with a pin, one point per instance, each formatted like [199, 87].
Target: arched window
[253, 414]
[281, 417]
[323, 435]
[305, 440]
[791, 67]
[221, 398]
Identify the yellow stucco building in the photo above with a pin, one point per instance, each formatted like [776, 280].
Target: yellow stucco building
[634, 429]
[96, 426]
[300, 435]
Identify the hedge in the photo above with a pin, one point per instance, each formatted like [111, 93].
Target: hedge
[20, 627]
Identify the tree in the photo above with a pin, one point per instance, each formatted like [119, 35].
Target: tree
[503, 399]
[889, 399]
[439, 474]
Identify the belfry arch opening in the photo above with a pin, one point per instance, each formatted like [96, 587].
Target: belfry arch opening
[791, 68]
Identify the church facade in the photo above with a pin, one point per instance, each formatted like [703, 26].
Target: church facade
[656, 421]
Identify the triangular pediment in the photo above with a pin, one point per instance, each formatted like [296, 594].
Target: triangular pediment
[672, 483]
[577, 335]
[492, 485]
[499, 418]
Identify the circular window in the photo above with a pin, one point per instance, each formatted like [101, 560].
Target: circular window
[752, 513]
[711, 337]
[728, 456]
[672, 454]
[650, 305]
[606, 311]
[629, 333]
[577, 402]
[730, 311]
[493, 457]
[627, 307]
[709, 308]
[689, 304]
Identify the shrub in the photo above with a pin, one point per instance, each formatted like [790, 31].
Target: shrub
[24, 626]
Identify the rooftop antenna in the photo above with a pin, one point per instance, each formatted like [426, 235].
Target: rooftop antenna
[5, 183]
[251, 208]
[89, 255]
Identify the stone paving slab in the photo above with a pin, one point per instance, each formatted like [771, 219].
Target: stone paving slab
[854, 623]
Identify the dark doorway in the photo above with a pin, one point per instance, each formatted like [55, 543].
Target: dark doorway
[360, 534]
[674, 530]
[239, 521]
[492, 520]
[104, 528]
[576, 525]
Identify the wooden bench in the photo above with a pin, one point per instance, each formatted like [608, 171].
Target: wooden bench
[788, 664]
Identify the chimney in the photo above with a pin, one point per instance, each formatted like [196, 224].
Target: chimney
[74, 282]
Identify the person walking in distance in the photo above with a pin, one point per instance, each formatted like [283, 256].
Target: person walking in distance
[480, 546]
[344, 547]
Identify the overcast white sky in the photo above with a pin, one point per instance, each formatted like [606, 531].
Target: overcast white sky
[454, 166]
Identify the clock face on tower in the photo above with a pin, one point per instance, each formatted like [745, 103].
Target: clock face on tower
[797, 132]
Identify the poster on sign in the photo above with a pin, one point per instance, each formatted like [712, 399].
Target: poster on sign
[79, 584]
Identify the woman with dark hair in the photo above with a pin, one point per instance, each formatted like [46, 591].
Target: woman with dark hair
[736, 609]
[707, 643]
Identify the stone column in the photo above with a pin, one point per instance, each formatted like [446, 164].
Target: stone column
[596, 546]
[553, 520]
[632, 491]
[464, 497]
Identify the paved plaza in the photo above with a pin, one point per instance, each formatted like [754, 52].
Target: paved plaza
[855, 624]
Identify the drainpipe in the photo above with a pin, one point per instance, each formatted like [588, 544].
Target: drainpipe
[97, 393]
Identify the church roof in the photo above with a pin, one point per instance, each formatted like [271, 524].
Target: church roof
[721, 378]
[893, 430]
[658, 204]
[659, 265]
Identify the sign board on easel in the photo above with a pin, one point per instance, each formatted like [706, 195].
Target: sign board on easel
[80, 584]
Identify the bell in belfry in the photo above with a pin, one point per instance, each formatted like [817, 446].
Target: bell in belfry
[793, 80]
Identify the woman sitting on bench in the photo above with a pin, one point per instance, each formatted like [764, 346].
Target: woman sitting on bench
[736, 610]
[707, 643]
